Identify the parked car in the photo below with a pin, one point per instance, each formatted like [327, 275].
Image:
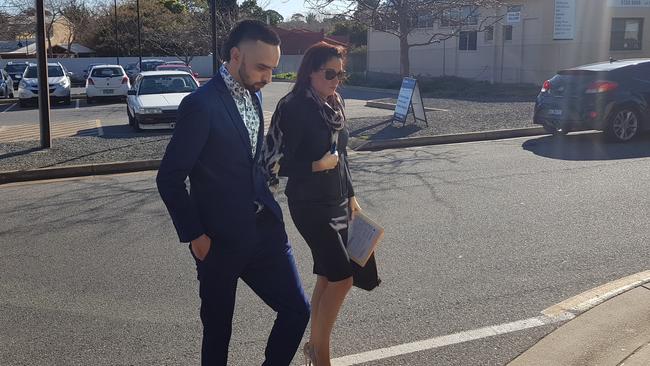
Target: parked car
[179, 67]
[58, 80]
[149, 65]
[612, 96]
[131, 70]
[6, 85]
[107, 81]
[87, 70]
[175, 63]
[15, 71]
[153, 101]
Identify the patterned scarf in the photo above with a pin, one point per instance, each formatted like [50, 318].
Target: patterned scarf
[331, 113]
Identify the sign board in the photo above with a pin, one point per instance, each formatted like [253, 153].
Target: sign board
[409, 99]
[628, 3]
[565, 19]
[513, 15]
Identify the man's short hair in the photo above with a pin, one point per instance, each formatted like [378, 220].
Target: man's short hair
[248, 30]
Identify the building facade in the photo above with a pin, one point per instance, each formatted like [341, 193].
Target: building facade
[528, 41]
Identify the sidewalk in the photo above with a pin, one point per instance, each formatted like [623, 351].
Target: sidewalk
[616, 332]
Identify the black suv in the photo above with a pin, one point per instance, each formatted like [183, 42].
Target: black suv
[16, 70]
[609, 96]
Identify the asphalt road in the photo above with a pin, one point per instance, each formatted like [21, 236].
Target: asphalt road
[477, 234]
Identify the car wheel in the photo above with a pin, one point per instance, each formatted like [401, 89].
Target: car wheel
[556, 131]
[11, 94]
[67, 100]
[623, 124]
[90, 100]
[22, 103]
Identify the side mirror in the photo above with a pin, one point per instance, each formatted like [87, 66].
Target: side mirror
[132, 92]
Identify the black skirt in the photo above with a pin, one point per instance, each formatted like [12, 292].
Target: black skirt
[324, 226]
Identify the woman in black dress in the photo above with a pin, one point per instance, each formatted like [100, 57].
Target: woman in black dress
[307, 143]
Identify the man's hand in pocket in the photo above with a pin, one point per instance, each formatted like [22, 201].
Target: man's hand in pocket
[201, 246]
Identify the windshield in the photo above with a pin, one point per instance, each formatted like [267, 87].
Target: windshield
[150, 66]
[165, 84]
[52, 71]
[15, 68]
[174, 68]
[107, 72]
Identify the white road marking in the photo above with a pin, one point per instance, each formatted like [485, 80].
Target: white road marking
[76, 104]
[100, 130]
[11, 106]
[447, 340]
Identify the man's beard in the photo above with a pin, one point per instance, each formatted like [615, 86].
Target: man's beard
[245, 80]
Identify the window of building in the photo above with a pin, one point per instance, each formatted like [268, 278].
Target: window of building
[469, 15]
[450, 18]
[467, 41]
[424, 21]
[626, 34]
[507, 32]
[489, 33]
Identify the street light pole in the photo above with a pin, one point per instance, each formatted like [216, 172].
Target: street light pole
[137, 6]
[117, 42]
[215, 51]
[43, 85]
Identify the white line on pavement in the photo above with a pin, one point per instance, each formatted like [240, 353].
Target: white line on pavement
[11, 106]
[76, 104]
[100, 130]
[447, 340]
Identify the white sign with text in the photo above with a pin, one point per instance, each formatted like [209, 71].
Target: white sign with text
[565, 19]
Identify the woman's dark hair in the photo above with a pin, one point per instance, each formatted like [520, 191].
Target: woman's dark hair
[248, 30]
[314, 59]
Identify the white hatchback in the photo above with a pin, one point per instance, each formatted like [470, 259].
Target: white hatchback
[106, 81]
[153, 102]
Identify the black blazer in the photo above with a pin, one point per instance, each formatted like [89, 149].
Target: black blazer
[211, 145]
[306, 138]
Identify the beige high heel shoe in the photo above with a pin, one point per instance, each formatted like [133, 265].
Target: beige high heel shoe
[310, 355]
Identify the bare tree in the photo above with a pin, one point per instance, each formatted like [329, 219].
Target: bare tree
[402, 18]
[78, 17]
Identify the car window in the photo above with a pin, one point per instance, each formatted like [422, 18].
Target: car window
[106, 72]
[150, 66]
[167, 84]
[15, 68]
[52, 71]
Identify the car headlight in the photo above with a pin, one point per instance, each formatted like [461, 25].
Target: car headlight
[64, 83]
[150, 110]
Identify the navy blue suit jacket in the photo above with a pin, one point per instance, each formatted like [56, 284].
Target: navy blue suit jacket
[211, 145]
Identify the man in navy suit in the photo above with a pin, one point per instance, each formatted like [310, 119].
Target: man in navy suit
[233, 223]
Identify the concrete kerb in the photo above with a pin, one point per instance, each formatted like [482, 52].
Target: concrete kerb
[356, 144]
[391, 106]
[360, 144]
[78, 171]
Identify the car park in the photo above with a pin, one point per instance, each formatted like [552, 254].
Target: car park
[6, 85]
[612, 96]
[107, 81]
[58, 84]
[153, 101]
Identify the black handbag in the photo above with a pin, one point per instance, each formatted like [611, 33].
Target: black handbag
[366, 277]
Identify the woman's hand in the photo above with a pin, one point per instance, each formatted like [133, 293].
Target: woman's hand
[327, 162]
[354, 206]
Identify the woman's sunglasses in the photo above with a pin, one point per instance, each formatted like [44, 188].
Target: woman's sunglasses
[330, 74]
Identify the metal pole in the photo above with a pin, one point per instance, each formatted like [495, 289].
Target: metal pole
[137, 6]
[215, 51]
[43, 85]
[117, 42]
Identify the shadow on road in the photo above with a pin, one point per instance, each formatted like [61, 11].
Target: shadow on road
[587, 146]
[122, 132]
